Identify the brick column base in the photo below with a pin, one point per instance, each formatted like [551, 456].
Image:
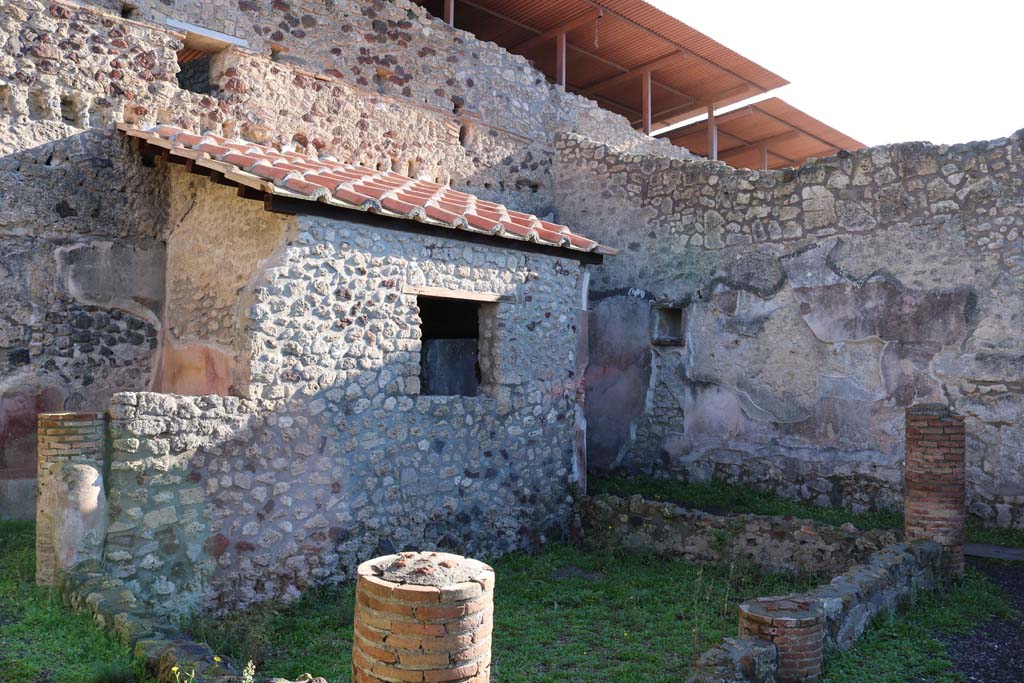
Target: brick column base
[934, 497]
[423, 617]
[796, 627]
[67, 438]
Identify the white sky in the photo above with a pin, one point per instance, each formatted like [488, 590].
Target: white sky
[882, 72]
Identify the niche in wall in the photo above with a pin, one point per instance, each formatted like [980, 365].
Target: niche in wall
[668, 326]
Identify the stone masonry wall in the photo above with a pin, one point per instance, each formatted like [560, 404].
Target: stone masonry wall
[396, 48]
[772, 544]
[335, 456]
[217, 244]
[80, 269]
[819, 303]
[380, 83]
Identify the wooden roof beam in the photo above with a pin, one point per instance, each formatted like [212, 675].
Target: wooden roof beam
[790, 125]
[765, 142]
[552, 33]
[700, 126]
[746, 146]
[614, 65]
[578, 50]
[702, 103]
[748, 82]
[653, 65]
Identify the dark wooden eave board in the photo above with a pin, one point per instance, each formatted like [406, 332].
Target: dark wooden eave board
[303, 207]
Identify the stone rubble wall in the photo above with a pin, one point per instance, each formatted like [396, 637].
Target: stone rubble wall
[396, 48]
[217, 245]
[887, 581]
[819, 303]
[81, 269]
[84, 223]
[772, 544]
[155, 642]
[335, 456]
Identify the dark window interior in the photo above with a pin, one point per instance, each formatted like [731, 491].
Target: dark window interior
[668, 326]
[194, 74]
[450, 347]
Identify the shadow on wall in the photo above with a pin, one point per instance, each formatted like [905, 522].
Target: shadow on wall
[337, 455]
[81, 280]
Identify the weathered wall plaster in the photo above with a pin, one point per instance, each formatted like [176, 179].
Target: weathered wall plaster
[83, 221]
[335, 455]
[819, 303]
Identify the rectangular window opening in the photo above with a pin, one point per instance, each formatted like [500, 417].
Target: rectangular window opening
[450, 346]
[194, 70]
[668, 326]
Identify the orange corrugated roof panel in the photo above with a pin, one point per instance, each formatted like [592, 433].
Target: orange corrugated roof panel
[790, 135]
[630, 34]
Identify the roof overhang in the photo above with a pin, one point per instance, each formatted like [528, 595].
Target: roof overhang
[293, 183]
[765, 135]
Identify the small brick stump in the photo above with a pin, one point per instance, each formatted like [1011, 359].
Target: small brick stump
[795, 626]
[934, 497]
[61, 437]
[423, 617]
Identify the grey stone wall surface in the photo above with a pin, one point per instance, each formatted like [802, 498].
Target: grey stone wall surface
[332, 455]
[84, 223]
[80, 267]
[819, 302]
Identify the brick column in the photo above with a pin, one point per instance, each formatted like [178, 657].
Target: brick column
[423, 617]
[934, 493]
[795, 626]
[62, 437]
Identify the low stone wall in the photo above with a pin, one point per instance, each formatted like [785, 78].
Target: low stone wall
[88, 587]
[746, 659]
[889, 578]
[773, 544]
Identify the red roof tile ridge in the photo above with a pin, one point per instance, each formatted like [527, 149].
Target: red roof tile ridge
[311, 177]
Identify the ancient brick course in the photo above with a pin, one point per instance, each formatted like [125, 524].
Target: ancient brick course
[63, 438]
[795, 627]
[934, 480]
[423, 617]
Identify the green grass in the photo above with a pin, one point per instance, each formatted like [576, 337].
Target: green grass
[717, 495]
[902, 648]
[40, 640]
[639, 620]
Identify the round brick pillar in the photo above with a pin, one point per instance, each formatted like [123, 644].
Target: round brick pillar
[934, 493]
[61, 437]
[795, 626]
[423, 617]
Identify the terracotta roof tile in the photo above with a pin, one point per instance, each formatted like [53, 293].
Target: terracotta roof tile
[325, 179]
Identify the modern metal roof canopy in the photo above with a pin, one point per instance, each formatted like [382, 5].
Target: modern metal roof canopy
[768, 134]
[627, 55]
